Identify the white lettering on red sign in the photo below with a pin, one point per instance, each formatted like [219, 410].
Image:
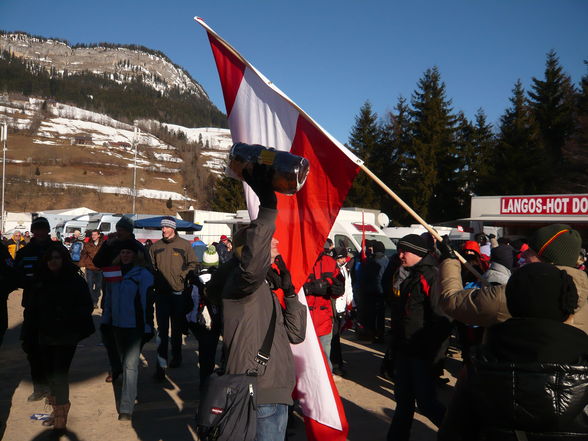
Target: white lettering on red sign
[545, 205]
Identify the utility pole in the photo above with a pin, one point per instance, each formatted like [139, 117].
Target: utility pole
[3, 138]
[135, 144]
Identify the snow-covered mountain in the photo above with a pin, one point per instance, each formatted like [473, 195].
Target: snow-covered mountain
[121, 64]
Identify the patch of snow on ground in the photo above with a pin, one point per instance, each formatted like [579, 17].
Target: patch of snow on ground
[218, 139]
[166, 157]
[142, 193]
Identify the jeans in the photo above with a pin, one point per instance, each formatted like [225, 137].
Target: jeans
[94, 279]
[414, 380]
[57, 360]
[124, 347]
[170, 307]
[326, 344]
[271, 422]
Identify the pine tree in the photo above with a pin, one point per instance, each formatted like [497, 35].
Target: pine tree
[520, 162]
[484, 144]
[466, 149]
[572, 178]
[432, 162]
[552, 104]
[228, 195]
[396, 142]
[364, 141]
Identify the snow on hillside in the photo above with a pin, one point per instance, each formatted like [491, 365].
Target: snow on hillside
[65, 128]
[69, 124]
[141, 193]
[217, 139]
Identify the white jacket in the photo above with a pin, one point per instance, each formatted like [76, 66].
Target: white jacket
[346, 299]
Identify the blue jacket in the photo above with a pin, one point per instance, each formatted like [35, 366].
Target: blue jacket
[121, 298]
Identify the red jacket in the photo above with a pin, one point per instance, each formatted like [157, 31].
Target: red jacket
[324, 283]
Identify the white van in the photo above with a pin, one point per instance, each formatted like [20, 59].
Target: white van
[350, 225]
[67, 228]
[397, 233]
[104, 222]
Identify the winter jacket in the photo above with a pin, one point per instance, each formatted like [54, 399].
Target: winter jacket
[422, 328]
[324, 283]
[60, 312]
[88, 253]
[247, 310]
[25, 264]
[14, 245]
[126, 300]
[498, 274]
[372, 272]
[172, 261]
[487, 306]
[224, 255]
[530, 377]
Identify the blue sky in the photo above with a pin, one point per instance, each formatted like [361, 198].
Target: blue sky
[332, 56]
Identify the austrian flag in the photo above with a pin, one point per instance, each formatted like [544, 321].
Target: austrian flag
[260, 113]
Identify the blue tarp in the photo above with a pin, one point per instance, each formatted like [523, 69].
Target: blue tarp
[155, 222]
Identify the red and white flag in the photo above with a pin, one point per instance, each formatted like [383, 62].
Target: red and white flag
[259, 113]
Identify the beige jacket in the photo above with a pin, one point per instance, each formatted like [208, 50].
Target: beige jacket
[487, 306]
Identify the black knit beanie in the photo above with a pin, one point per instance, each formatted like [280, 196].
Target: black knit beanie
[125, 223]
[540, 290]
[414, 244]
[503, 254]
[40, 222]
[557, 244]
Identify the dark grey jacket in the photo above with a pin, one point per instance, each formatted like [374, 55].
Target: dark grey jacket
[247, 309]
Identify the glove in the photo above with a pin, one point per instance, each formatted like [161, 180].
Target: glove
[286, 281]
[445, 249]
[260, 181]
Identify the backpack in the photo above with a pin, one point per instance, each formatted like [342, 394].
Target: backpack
[76, 251]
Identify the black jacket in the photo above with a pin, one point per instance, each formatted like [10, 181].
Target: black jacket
[26, 262]
[422, 330]
[531, 376]
[60, 311]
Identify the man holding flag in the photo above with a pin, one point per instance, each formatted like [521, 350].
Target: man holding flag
[247, 311]
[259, 113]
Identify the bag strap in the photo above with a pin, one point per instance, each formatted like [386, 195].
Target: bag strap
[263, 355]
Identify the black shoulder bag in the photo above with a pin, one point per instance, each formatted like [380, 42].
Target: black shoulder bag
[227, 411]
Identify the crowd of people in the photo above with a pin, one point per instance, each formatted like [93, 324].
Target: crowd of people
[517, 309]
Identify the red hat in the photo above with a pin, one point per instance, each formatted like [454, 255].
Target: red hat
[223, 237]
[471, 245]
